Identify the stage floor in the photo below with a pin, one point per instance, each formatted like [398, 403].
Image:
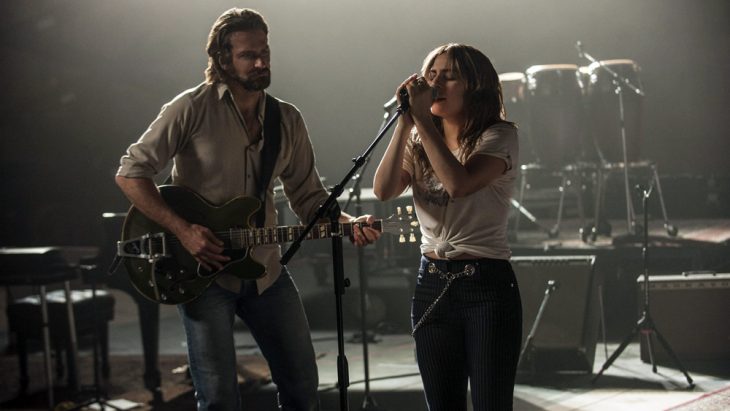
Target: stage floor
[629, 384]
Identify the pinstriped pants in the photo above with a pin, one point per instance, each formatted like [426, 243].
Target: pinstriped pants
[472, 336]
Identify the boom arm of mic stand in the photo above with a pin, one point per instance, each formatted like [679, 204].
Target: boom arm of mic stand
[619, 78]
[337, 190]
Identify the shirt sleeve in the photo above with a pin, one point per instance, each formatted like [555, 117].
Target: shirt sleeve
[499, 141]
[300, 178]
[159, 143]
[408, 161]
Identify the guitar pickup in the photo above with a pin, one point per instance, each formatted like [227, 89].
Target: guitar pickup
[149, 247]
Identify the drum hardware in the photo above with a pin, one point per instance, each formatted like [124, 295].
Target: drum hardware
[547, 100]
[599, 224]
[514, 93]
[619, 83]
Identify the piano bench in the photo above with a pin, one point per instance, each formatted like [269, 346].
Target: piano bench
[24, 318]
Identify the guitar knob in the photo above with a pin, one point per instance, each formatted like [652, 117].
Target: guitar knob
[401, 238]
[181, 290]
[169, 276]
[412, 238]
[409, 210]
[163, 297]
[151, 283]
[398, 210]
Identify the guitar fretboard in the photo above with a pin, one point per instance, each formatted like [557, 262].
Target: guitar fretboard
[250, 237]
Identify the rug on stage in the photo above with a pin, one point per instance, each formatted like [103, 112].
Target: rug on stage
[712, 401]
[125, 382]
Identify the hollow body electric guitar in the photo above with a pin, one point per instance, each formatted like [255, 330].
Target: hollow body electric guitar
[162, 270]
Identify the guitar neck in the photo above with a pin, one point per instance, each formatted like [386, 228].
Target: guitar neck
[251, 237]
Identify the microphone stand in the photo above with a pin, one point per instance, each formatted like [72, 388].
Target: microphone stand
[619, 82]
[331, 209]
[645, 327]
[368, 402]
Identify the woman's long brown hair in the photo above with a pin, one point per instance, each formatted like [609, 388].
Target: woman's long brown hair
[482, 97]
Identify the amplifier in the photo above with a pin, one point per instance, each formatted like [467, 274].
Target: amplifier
[565, 339]
[691, 312]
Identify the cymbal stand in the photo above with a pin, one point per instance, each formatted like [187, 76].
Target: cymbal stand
[645, 326]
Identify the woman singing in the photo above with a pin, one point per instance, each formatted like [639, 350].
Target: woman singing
[460, 156]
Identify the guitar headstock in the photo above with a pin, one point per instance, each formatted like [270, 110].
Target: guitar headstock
[403, 223]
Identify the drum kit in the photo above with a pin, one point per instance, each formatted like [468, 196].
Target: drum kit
[580, 124]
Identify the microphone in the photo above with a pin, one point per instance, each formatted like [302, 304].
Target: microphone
[390, 104]
[579, 47]
[403, 93]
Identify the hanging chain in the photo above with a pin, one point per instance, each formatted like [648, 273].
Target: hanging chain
[449, 277]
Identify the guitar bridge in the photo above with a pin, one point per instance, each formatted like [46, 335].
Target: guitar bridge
[150, 247]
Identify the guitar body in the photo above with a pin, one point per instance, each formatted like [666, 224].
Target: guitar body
[179, 279]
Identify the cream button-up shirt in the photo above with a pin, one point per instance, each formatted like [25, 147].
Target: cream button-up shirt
[213, 154]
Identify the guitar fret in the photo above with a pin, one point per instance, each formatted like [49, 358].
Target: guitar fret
[249, 237]
[232, 237]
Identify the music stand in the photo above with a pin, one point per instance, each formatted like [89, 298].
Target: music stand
[645, 326]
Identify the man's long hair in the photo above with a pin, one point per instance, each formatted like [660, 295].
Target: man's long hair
[483, 103]
[219, 39]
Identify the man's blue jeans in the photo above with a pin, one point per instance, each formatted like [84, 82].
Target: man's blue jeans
[279, 325]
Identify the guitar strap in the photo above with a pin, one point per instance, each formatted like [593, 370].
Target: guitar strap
[269, 153]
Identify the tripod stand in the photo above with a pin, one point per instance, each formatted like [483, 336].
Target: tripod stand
[645, 326]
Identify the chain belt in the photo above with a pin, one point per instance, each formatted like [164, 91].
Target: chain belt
[468, 271]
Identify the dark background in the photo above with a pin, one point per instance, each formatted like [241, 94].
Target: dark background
[82, 79]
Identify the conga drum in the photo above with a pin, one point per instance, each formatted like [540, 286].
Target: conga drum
[603, 110]
[514, 93]
[555, 111]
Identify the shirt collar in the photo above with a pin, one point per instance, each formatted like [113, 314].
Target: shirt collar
[223, 89]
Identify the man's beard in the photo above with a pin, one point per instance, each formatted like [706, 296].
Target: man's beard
[255, 82]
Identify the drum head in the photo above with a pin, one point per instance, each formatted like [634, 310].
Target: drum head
[554, 99]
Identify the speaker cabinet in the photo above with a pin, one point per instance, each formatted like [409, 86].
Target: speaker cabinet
[690, 311]
[565, 338]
